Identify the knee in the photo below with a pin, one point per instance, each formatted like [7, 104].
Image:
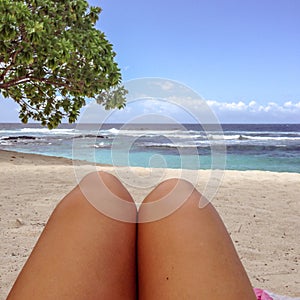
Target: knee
[173, 186]
[103, 182]
[167, 198]
[105, 193]
[98, 177]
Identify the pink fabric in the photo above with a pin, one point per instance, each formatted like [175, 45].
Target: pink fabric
[261, 294]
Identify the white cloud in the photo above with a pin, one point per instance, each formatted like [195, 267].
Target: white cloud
[252, 104]
[255, 107]
[231, 106]
[188, 109]
[155, 99]
[254, 112]
[166, 85]
[291, 105]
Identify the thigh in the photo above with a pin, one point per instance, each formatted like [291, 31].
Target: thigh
[188, 254]
[83, 254]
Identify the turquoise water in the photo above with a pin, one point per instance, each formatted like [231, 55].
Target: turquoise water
[267, 147]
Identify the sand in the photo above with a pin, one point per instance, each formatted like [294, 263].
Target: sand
[260, 209]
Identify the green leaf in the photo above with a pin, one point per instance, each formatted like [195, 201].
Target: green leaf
[50, 48]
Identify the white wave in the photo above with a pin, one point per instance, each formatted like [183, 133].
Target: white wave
[253, 133]
[9, 132]
[270, 138]
[177, 145]
[100, 145]
[112, 131]
[47, 131]
[168, 145]
[222, 137]
[250, 137]
[180, 134]
[6, 143]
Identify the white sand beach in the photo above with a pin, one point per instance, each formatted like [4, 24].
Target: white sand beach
[260, 209]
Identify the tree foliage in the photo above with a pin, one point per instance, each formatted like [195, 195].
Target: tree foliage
[52, 57]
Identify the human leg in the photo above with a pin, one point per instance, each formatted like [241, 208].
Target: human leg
[83, 254]
[188, 254]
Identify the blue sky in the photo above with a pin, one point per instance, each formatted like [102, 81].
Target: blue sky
[242, 57]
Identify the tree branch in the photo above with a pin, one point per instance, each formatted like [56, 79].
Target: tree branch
[13, 82]
[13, 60]
[27, 78]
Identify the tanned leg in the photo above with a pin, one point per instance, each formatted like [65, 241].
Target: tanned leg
[188, 254]
[82, 253]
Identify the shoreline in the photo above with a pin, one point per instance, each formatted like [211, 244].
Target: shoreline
[69, 161]
[259, 208]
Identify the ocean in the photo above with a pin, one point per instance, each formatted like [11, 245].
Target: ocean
[267, 147]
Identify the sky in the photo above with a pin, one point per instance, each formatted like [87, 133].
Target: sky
[241, 57]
